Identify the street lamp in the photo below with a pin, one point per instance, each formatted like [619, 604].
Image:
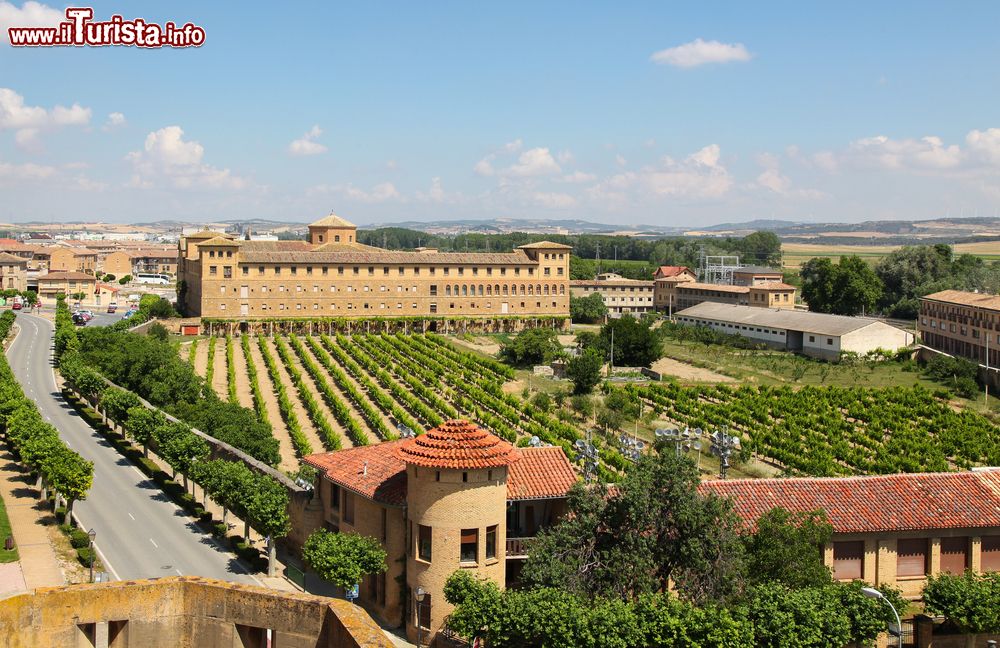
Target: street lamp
[92, 534]
[587, 453]
[686, 440]
[631, 447]
[420, 594]
[873, 593]
[723, 445]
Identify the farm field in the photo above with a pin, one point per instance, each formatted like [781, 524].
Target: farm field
[795, 254]
[327, 392]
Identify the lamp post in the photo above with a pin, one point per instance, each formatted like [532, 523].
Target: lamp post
[92, 534]
[723, 445]
[686, 440]
[420, 594]
[587, 453]
[873, 593]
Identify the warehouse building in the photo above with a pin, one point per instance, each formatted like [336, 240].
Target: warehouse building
[813, 334]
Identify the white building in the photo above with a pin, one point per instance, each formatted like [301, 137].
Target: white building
[813, 334]
[620, 295]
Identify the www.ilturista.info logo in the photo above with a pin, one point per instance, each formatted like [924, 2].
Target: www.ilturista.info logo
[79, 30]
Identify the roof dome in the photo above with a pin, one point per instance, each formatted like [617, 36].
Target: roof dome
[458, 445]
[332, 221]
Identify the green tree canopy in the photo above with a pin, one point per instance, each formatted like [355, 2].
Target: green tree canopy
[585, 371]
[532, 347]
[343, 558]
[970, 601]
[785, 549]
[587, 309]
[636, 344]
[848, 287]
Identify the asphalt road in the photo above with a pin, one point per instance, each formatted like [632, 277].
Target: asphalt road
[140, 532]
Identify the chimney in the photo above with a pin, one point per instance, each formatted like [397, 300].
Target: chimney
[364, 471]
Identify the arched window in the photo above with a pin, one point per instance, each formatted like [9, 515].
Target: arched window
[489, 290]
[531, 289]
[562, 289]
[522, 290]
[553, 289]
[546, 289]
[480, 290]
[336, 238]
[496, 289]
[447, 291]
[538, 290]
[505, 289]
[465, 291]
[456, 290]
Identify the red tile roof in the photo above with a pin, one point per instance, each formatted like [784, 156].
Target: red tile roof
[374, 471]
[541, 473]
[457, 445]
[906, 502]
[670, 271]
[378, 473]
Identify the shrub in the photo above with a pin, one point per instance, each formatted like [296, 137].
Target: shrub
[79, 538]
[86, 556]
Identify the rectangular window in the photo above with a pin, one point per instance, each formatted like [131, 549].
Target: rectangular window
[424, 611]
[326, 270]
[348, 507]
[335, 496]
[849, 560]
[424, 543]
[954, 555]
[213, 270]
[491, 541]
[470, 545]
[812, 338]
[385, 525]
[246, 271]
[911, 558]
[294, 270]
[260, 271]
[277, 270]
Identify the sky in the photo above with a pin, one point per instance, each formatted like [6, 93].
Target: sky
[671, 114]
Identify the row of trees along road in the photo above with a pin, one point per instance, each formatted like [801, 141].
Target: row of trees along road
[894, 284]
[36, 442]
[600, 577]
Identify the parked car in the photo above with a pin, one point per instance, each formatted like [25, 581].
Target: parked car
[16, 306]
[79, 319]
[112, 307]
[86, 314]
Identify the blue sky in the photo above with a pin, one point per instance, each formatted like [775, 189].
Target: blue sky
[613, 112]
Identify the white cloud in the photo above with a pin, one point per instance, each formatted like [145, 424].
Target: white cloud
[115, 120]
[926, 153]
[29, 121]
[698, 176]
[534, 162]
[578, 177]
[27, 171]
[484, 167]
[620, 160]
[30, 14]
[701, 52]
[380, 193]
[166, 156]
[985, 144]
[307, 144]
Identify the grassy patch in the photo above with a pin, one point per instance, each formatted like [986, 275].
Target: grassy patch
[5, 556]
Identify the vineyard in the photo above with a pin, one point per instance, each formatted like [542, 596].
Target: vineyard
[835, 430]
[329, 392]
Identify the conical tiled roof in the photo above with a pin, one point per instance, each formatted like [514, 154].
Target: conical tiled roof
[457, 445]
[332, 221]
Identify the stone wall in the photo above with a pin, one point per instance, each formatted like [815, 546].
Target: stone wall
[182, 612]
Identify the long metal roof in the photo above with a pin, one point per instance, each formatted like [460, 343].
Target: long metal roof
[793, 320]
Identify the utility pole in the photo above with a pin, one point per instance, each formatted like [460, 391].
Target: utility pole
[611, 366]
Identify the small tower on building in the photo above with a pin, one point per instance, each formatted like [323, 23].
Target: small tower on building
[456, 505]
[332, 229]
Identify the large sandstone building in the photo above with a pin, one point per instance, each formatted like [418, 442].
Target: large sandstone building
[334, 276]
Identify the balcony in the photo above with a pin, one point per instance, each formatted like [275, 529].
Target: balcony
[517, 548]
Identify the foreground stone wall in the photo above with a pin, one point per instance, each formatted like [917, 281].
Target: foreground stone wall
[182, 612]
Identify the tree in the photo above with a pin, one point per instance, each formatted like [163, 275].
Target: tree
[141, 424]
[108, 278]
[116, 404]
[267, 509]
[848, 287]
[783, 549]
[587, 309]
[124, 280]
[532, 347]
[583, 405]
[970, 601]
[635, 343]
[162, 309]
[655, 529]
[585, 371]
[343, 558]
[762, 248]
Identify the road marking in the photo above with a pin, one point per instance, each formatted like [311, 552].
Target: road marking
[154, 544]
[179, 572]
[139, 472]
[132, 516]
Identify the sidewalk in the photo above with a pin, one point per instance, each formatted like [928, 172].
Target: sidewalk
[38, 563]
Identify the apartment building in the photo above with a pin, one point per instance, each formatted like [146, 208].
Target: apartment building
[677, 288]
[455, 497]
[72, 259]
[894, 530]
[131, 262]
[754, 275]
[13, 272]
[620, 295]
[334, 276]
[67, 283]
[963, 324]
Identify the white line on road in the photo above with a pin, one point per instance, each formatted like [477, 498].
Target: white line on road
[179, 572]
[154, 544]
[132, 516]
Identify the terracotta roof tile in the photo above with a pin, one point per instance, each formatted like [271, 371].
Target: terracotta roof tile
[544, 245]
[457, 445]
[332, 221]
[374, 471]
[378, 472]
[670, 271]
[541, 473]
[905, 502]
[772, 285]
[697, 285]
[378, 255]
[62, 276]
[980, 300]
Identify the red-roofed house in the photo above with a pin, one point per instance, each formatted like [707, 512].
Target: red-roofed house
[889, 529]
[455, 497]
